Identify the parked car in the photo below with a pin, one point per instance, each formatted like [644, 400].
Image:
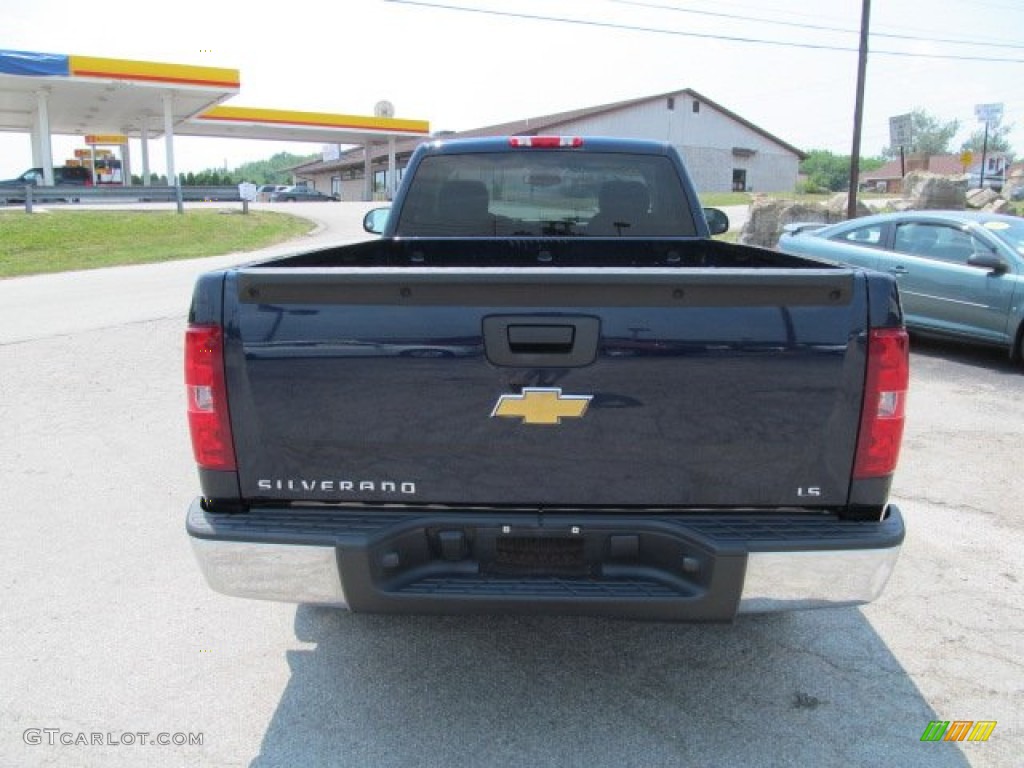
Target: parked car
[65, 175]
[266, 190]
[71, 175]
[299, 194]
[960, 273]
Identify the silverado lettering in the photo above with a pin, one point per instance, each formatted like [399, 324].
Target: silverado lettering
[342, 486]
[594, 407]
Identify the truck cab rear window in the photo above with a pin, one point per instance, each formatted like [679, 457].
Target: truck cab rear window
[546, 194]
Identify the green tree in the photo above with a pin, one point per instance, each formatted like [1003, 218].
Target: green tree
[998, 141]
[827, 171]
[931, 136]
[275, 170]
[212, 177]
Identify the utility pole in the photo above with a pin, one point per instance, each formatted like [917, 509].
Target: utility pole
[858, 115]
[984, 158]
[987, 113]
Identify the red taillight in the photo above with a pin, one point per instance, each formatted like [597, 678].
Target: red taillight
[208, 418]
[885, 400]
[545, 142]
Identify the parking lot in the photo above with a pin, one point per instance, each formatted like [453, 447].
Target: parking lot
[107, 627]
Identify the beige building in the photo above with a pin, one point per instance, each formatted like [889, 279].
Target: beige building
[723, 151]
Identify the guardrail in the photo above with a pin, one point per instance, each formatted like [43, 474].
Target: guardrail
[180, 195]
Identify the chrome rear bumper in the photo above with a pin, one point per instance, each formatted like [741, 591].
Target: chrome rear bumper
[704, 567]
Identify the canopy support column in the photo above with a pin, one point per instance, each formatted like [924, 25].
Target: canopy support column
[367, 173]
[392, 169]
[172, 177]
[145, 151]
[126, 162]
[41, 139]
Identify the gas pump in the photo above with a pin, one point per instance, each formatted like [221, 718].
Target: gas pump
[108, 159]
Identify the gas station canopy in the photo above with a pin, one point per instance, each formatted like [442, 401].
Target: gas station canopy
[249, 123]
[92, 95]
[45, 94]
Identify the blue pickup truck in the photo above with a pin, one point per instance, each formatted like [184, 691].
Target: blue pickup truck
[547, 388]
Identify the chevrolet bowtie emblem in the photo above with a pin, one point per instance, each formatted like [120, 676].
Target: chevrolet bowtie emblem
[541, 405]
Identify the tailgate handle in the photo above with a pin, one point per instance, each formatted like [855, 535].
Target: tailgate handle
[541, 341]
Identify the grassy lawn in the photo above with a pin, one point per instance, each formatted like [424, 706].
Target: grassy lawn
[719, 199]
[59, 241]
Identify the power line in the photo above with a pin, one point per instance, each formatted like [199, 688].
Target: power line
[816, 27]
[700, 35]
[998, 6]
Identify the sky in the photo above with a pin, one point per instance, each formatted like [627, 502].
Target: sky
[789, 66]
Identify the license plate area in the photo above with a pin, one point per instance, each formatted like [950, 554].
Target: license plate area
[532, 555]
[496, 563]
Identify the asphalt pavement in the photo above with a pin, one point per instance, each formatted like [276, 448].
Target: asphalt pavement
[112, 642]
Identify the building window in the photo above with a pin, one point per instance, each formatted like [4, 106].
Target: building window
[696, 107]
[739, 180]
[671, 104]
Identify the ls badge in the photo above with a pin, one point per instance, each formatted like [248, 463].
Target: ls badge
[542, 405]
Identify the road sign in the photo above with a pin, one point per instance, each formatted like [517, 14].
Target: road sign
[988, 113]
[106, 138]
[901, 130]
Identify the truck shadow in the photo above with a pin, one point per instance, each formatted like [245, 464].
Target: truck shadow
[816, 688]
[927, 349]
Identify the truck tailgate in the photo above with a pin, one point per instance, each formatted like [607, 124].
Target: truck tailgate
[543, 387]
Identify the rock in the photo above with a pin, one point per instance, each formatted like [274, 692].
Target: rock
[768, 217]
[930, 191]
[838, 204]
[979, 198]
[1012, 189]
[998, 206]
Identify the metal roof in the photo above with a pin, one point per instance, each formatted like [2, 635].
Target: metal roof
[535, 125]
[947, 165]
